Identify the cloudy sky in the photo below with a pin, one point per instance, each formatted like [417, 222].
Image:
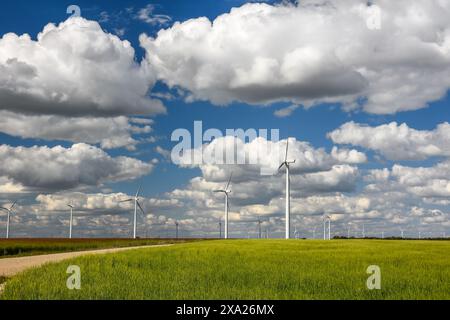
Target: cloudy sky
[91, 100]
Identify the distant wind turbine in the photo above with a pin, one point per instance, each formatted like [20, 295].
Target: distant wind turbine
[259, 228]
[177, 225]
[227, 192]
[326, 219]
[286, 164]
[364, 231]
[401, 230]
[314, 233]
[220, 228]
[71, 220]
[136, 206]
[9, 211]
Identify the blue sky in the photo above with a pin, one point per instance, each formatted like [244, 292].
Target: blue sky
[311, 124]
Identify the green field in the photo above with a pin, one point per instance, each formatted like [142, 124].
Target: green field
[246, 269]
[26, 247]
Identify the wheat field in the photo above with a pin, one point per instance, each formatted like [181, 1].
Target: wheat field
[250, 269]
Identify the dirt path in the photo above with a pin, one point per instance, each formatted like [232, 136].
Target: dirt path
[11, 266]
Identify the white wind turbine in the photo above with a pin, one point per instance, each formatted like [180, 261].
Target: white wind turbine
[227, 192]
[9, 211]
[286, 164]
[71, 220]
[326, 219]
[136, 206]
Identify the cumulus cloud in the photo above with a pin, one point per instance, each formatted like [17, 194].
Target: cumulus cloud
[259, 156]
[425, 181]
[314, 172]
[75, 69]
[314, 52]
[109, 133]
[66, 168]
[109, 202]
[394, 141]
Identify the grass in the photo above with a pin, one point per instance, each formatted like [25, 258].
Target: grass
[245, 269]
[26, 247]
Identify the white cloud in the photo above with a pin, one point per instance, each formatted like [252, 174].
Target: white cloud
[314, 52]
[286, 112]
[394, 141]
[255, 156]
[113, 132]
[74, 69]
[147, 15]
[425, 182]
[60, 168]
[98, 201]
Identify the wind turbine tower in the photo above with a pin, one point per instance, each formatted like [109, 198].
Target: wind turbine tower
[326, 219]
[71, 220]
[136, 206]
[226, 192]
[287, 164]
[259, 228]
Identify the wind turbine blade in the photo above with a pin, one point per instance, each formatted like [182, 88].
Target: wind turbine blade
[139, 190]
[142, 210]
[1, 208]
[13, 205]
[126, 200]
[229, 181]
[218, 191]
[281, 166]
[287, 149]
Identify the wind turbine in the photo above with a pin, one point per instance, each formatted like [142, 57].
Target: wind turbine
[71, 220]
[348, 231]
[227, 192]
[177, 225]
[9, 211]
[220, 228]
[136, 205]
[401, 230]
[364, 231]
[326, 219]
[259, 227]
[286, 164]
[314, 233]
